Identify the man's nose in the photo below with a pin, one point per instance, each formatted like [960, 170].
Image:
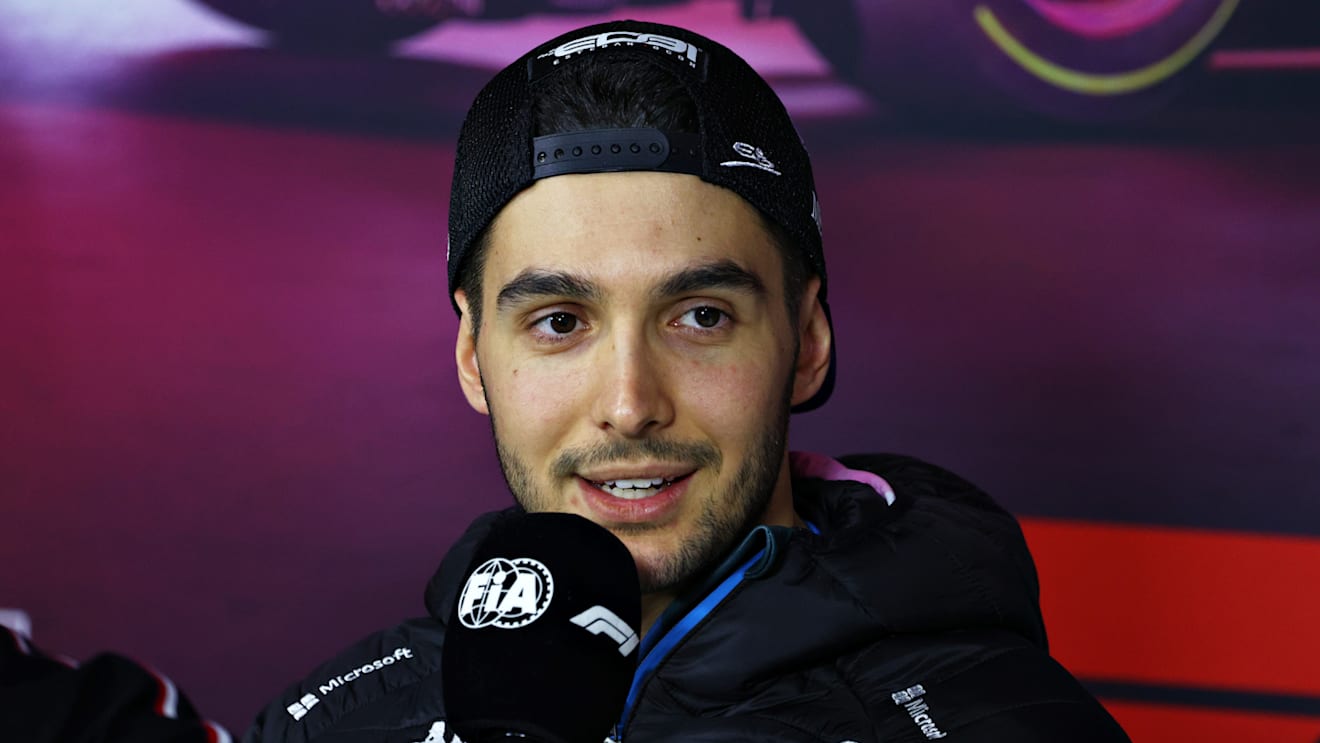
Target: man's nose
[632, 392]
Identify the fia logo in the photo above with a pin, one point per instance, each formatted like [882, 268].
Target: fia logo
[505, 593]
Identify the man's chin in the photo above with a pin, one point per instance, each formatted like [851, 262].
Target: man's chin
[657, 568]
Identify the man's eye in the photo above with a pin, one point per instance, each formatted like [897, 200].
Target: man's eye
[558, 323]
[705, 318]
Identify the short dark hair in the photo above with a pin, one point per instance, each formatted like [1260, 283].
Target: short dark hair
[604, 93]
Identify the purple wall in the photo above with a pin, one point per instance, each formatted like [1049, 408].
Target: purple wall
[231, 440]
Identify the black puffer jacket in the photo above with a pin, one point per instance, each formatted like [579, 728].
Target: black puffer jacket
[48, 698]
[906, 622]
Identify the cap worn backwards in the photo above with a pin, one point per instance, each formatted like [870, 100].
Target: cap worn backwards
[746, 143]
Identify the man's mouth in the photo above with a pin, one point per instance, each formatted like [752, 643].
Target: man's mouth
[634, 489]
[635, 493]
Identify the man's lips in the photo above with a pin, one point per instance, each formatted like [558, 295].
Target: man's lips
[615, 473]
[656, 506]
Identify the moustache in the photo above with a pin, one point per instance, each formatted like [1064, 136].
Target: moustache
[698, 454]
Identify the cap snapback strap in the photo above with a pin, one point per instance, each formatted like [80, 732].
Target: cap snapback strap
[616, 150]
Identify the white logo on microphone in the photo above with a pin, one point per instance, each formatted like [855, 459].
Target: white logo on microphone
[505, 593]
[440, 734]
[601, 621]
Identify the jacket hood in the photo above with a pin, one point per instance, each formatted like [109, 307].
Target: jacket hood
[954, 561]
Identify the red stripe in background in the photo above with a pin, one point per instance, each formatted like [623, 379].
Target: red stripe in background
[1181, 607]
[1151, 722]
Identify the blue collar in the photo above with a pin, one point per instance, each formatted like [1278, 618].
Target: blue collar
[683, 615]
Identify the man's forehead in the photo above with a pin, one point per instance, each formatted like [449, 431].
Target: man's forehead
[585, 201]
[606, 215]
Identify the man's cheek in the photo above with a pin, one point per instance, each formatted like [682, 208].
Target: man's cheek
[740, 386]
[533, 399]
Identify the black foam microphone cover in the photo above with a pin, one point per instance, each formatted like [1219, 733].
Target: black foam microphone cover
[542, 642]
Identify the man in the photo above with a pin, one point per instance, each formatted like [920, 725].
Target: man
[50, 698]
[635, 256]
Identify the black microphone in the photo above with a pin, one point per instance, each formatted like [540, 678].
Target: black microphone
[542, 643]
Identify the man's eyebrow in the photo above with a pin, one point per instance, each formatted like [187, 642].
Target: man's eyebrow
[536, 282]
[723, 274]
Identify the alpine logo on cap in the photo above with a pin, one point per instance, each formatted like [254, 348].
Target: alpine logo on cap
[667, 44]
[505, 593]
[754, 158]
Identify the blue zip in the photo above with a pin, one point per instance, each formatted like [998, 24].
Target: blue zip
[654, 652]
[656, 647]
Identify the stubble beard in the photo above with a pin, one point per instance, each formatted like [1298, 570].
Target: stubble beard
[724, 520]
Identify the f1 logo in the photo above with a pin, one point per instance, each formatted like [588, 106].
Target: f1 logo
[601, 621]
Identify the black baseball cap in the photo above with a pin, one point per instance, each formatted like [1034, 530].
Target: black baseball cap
[747, 143]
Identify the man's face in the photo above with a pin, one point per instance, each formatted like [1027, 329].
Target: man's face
[637, 360]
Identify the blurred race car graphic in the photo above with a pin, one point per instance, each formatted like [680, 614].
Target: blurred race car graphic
[1080, 60]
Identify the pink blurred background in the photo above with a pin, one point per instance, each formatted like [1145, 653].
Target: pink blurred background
[231, 439]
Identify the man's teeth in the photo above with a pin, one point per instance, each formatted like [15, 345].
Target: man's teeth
[626, 484]
[633, 489]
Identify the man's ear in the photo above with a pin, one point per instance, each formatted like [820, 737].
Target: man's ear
[815, 339]
[465, 357]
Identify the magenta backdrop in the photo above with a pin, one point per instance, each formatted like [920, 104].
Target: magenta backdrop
[231, 440]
